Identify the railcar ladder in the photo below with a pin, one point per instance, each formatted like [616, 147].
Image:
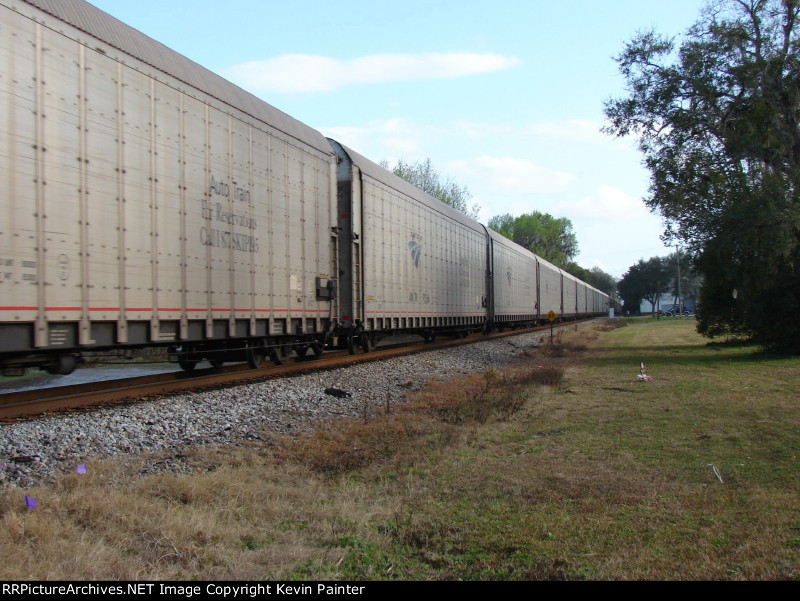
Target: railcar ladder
[334, 276]
[358, 300]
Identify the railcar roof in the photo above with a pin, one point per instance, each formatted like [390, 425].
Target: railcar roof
[547, 263]
[498, 237]
[389, 179]
[115, 33]
[567, 275]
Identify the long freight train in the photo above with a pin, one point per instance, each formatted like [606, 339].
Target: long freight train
[147, 201]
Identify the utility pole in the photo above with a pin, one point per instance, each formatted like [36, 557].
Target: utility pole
[680, 294]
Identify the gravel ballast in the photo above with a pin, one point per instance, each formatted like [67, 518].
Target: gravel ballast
[33, 451]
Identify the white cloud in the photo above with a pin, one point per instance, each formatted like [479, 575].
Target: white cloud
[608, 203]
[574, 130]
[541, 142]
[312, 73]
[380, 139]
[577, 130]
[508, 175]
[402, 146]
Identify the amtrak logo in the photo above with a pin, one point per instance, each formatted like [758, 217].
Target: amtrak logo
[416, 251]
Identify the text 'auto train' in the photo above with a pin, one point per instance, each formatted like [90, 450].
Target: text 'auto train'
[147, 201]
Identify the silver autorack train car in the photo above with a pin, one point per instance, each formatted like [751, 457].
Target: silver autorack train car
[514, 294]
[149, 202]
[422, 263]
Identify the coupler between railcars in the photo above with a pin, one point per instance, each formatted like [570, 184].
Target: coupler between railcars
[356, 337]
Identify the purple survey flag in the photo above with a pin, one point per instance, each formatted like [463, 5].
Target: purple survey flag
[81, 469]
[31, 503]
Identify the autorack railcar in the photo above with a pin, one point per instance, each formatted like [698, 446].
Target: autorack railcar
[147, 201]
[414, 262]
[550, 288]
[514, 291]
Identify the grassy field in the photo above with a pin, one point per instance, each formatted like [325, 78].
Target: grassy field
[563, 466]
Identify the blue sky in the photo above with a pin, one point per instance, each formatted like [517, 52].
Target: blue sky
[504, 97]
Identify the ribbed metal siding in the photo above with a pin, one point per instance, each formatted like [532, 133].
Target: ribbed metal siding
[549, 287]
[128, 40]
[569, 290]
[515, 295]
[449, 282]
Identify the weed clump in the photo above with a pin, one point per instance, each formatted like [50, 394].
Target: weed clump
[480, 398]
[547, 375]
[609, 325]
[561, 349]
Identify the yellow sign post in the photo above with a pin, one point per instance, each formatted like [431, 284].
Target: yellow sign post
[551, 317]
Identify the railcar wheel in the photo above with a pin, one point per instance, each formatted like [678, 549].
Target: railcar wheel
[366, 343]
[278, 355]
[62, 364]
[215, 363]
[187, 364]
[255, 357]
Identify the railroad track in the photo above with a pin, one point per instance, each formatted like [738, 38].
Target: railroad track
[31, 403]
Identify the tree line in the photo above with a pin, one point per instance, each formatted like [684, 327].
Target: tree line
[655, 277]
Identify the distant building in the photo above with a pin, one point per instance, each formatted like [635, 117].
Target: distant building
[667, 301]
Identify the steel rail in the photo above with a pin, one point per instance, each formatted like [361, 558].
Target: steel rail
[32, 403]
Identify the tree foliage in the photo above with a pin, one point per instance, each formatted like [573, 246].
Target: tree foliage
[717, 119]
[649, 280]
[579, 272]
[603, 281]
[646, 280]
[549, 237]
[422, 175]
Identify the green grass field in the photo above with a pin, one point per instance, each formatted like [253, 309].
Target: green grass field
[518, 474]
[612, 478]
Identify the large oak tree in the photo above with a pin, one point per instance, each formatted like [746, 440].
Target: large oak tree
[717, 119]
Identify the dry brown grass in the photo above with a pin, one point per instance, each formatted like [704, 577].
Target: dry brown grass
[609, 325]
[347, 445]
[239, 522]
